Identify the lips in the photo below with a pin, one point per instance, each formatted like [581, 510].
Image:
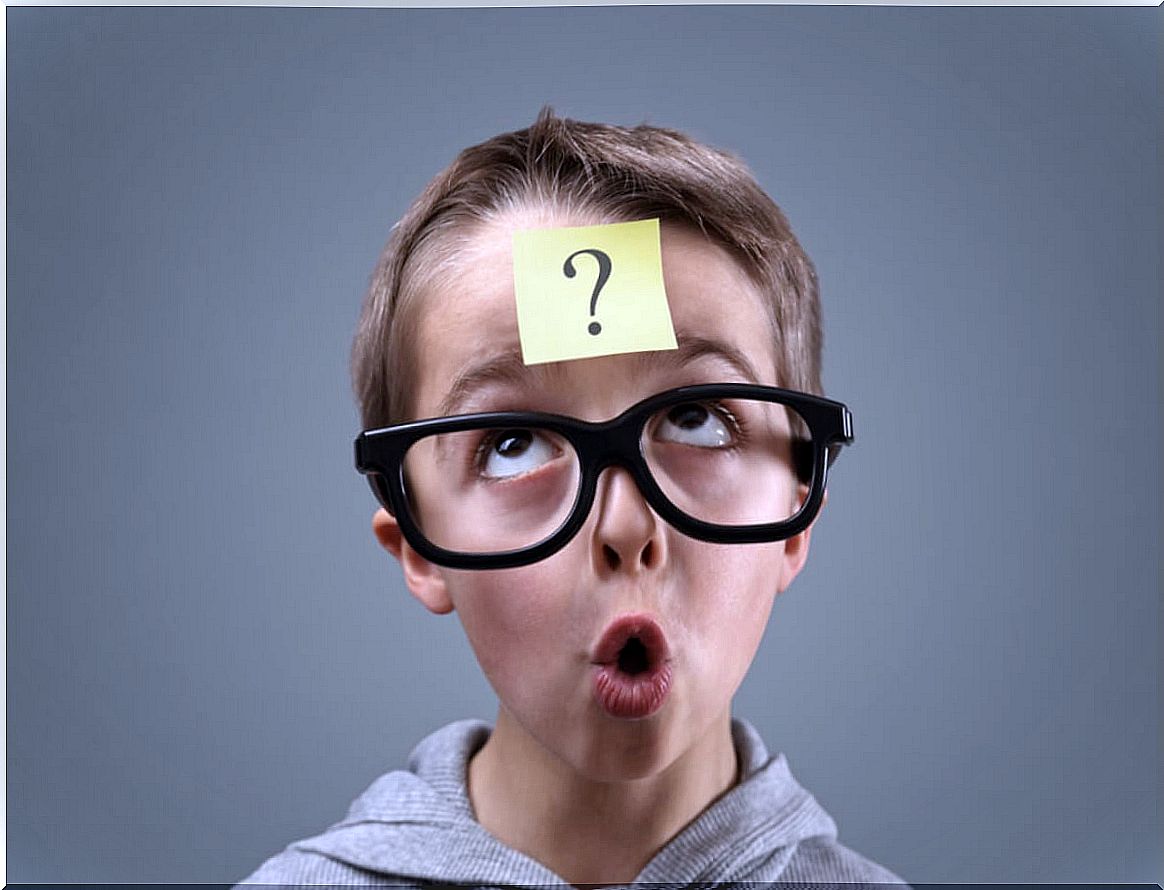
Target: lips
[632, 668]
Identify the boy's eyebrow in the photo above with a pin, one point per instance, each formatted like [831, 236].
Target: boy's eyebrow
[694, 346]
[508, 367]
[505, 367]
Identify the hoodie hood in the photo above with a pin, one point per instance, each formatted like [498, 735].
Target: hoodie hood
[418, 824]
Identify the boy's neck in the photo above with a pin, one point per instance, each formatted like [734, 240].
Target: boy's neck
[589, 832]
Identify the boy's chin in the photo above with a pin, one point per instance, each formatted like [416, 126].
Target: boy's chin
[619, 750]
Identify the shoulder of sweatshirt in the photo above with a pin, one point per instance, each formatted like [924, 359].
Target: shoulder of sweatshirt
[825, 860]
[818, 861]
[295, 868]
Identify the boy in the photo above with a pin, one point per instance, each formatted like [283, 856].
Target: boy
[612, 531]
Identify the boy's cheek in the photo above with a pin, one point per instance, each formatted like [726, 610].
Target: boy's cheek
[738, 592]
[505, 608]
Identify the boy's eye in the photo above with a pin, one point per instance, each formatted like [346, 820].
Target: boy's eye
[513, 452]
[695, 424]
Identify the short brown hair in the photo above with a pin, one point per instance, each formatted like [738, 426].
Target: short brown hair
[618, 173]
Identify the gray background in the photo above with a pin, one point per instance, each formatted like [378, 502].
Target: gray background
[209, 657]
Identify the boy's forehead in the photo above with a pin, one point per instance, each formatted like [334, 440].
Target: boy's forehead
[468, 333]
[505, 369]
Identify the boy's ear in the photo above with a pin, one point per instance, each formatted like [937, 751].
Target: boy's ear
[796, 547]
[424, 579]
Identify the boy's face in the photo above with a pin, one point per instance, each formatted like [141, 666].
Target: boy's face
[535, 629]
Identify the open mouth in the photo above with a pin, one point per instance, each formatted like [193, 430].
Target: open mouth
[633, 643]
[632, 667]
[633, 657]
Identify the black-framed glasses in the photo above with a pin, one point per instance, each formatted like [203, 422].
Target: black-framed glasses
[721, 462]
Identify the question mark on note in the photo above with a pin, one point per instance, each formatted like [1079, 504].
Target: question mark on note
[551, 275]
[603, 275]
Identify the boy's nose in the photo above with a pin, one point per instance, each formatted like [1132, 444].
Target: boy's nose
[628, 534]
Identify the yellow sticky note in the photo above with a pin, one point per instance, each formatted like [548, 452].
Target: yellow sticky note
[589, 291]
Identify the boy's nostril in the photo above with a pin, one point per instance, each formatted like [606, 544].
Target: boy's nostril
[632, 659]
[613, 560]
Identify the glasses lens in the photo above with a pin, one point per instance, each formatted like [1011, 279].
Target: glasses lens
[727, 461]
[491, 490]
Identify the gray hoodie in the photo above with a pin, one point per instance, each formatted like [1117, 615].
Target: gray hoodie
[416, 827]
